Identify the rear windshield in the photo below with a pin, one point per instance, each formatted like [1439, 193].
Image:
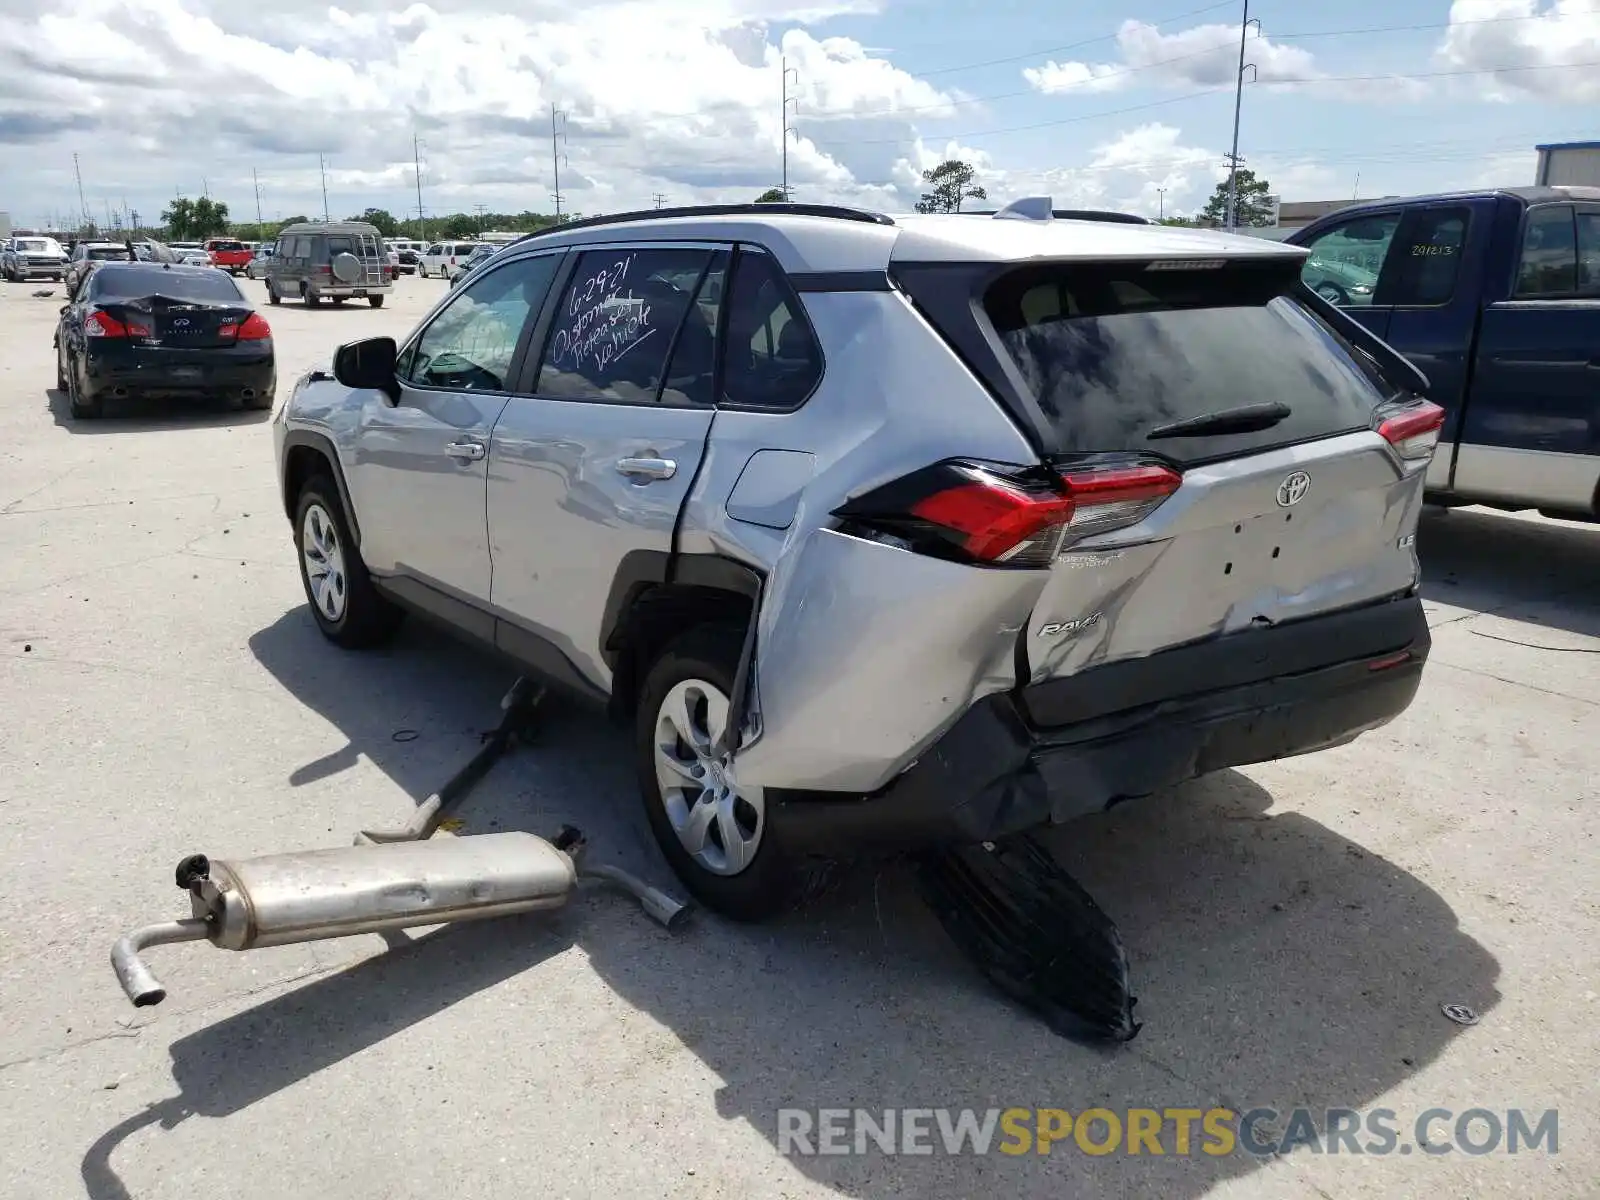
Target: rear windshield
[136, 280]
[227, 245]
[1112, 353]
[107, 254]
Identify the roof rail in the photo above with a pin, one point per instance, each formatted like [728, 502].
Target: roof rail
[838, 212]
[1031, 209]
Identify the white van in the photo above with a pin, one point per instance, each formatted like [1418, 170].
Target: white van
[444, 259]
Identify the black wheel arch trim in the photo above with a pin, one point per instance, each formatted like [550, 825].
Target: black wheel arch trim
[323, 445]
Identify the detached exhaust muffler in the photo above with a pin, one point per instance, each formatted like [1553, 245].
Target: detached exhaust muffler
[311, 895]
[389, 880]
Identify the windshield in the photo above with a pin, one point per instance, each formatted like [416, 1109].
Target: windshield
[138, 280]
[1112, 352]
[34, 245]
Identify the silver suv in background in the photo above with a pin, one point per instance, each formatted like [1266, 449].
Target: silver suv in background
[885, 532]
[28, 257]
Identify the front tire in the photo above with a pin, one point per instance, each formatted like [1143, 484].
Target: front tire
[346, 607]
[713, 832]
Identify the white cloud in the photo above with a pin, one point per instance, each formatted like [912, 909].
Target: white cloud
[1144, 170]
[1526, 47]
[679, 96]
[1204, 56]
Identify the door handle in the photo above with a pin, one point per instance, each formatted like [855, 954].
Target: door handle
[642, 470]
[467, 451]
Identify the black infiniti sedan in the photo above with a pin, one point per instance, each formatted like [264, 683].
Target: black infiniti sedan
[159, 330]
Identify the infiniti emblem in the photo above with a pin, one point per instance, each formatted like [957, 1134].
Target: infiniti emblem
[1293, 489]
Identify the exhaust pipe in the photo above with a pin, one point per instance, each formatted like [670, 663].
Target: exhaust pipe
[247, 393]
[119, 393]
[313, 895]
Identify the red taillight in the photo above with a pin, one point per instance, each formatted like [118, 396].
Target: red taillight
[253, 328]
[103, 325]
[996, 522]
[1008, 517]
[1414, 430]
[1389, 661]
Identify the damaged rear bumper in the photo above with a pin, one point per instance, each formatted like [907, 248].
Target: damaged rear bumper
[1074, 746]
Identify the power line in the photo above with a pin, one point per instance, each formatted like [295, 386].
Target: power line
[1298, 81]
[1122, 72]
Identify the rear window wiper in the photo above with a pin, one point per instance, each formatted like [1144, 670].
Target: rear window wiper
[1247, 418]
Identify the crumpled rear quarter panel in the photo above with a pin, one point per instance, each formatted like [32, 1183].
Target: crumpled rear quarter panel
[866, 653]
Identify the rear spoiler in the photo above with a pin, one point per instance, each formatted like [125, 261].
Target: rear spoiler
[1394, 364]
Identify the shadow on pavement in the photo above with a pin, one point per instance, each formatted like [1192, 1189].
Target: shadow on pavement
[1278, 963]
[1543, 572]
[152, 416]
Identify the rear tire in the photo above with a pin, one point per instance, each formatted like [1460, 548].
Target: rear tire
[375, 301]
[346, 607]
[701, 665]
[272, 294]
[81, 409]
[310, 297]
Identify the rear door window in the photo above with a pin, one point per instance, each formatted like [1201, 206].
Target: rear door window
[1549, 262]
[1429, 263]
[1113, 353]
[617, 323]
[1589, 252]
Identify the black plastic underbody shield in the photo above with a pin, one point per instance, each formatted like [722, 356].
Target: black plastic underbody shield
[1034, 933]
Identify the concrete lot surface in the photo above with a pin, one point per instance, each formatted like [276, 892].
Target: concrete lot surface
[1294, 928]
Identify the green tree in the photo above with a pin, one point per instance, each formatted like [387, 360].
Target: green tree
[178, 217]
[1254, 205]
[949, 184]
[381, 219]
[210, 217]
[773, 195]
[1184, 222]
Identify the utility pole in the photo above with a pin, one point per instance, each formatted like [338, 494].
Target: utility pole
[1355, 192]
[1161, 200]
[558, 134]
[1238, 105]
[784, 121]
[255, 178]
[322, 164]
[416, 162]
[482, 208]
[82, 203]
[661, 199]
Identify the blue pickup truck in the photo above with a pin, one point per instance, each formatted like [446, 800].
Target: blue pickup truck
[1495, 296]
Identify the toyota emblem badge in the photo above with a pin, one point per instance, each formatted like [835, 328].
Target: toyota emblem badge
[1293, 489]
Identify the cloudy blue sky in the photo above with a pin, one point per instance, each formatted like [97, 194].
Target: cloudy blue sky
[1125, 103]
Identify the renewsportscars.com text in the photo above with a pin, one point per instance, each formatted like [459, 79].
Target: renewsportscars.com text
[1214, 1132]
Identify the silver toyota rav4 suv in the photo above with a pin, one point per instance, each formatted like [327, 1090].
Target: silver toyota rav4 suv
[885, 533]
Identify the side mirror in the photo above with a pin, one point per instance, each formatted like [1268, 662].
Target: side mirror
[368, 363]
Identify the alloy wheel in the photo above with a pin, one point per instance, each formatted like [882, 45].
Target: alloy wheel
[719, 823]
[323, 560]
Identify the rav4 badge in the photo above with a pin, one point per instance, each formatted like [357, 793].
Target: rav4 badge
[1060, 628]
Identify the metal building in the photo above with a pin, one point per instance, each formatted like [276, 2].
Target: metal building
[1569, 163]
